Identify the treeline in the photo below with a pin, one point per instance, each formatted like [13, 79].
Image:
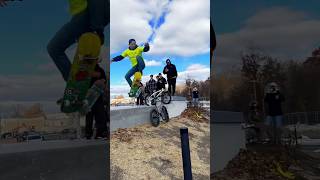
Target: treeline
[202, 86]
[298, 81]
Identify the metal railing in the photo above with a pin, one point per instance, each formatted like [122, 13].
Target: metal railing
[309, 118]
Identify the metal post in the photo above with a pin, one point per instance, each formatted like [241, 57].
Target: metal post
[186, 154]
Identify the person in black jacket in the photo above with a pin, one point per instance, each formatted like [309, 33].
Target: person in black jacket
[161, 82]
[195, 96]
[140, 97]
[98, 110]
[274, 100]
[151, 85]
[171, 71]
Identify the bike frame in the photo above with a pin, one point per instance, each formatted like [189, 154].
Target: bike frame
[157, 94]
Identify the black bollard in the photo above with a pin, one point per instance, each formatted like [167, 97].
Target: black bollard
[186, 154]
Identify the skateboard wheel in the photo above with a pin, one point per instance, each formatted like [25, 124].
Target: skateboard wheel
[85, 102]
[68, 92]
[67, 103]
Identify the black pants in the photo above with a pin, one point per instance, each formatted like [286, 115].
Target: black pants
[140, 100]
[97, 113]
[172, 86]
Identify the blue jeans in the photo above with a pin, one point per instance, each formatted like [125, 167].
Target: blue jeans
[95, 17]
[274, 119]
[137, 68]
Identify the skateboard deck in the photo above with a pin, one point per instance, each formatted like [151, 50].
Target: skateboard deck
[83, 65]
[92, 96]
[135, 87]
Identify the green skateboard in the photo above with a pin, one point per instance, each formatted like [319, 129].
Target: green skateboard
[84, 63]
[135, 87]
[92, 96]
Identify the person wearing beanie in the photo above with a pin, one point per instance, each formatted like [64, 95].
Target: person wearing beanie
[171, 71]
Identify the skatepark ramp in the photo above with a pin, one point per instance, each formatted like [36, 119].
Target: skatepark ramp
[51, 160]
[227, 138]
[131, 116]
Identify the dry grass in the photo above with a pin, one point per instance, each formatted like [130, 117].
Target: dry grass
[147, 152]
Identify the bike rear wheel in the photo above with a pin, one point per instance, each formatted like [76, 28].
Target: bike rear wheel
[166, 97]
[148, 100]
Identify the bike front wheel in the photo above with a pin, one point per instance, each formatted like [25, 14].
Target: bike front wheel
[164, 114]
[154, 118]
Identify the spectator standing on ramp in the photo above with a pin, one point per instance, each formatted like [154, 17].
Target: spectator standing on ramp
[98, 112]
[195, 96]
[161, 82]
[171, 71]
[140, 97]
[274, 99]
[151, 85]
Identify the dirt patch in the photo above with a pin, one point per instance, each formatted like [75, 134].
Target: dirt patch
[267, 163]
[126, 135]
[147, 152]
[196, 114]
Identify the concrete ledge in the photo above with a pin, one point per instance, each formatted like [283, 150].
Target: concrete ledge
[227, 138]
[79, 160]
[130, 116]
[178, 98]
[226, 117]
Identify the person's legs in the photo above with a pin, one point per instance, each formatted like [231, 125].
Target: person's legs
[99, 16]
[63, 39]
[173, 86]
[274, 129]
[169, 86]
[279, 123]
[268, 123]
[100, 118]
[129, 74]
[141, 99]
[89, 124]
[141, 65]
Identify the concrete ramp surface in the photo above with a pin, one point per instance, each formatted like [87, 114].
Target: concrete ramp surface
[131, 116]
[227, 138]
[79, 159]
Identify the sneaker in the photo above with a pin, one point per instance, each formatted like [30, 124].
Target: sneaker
[59, 101]
[103, 136]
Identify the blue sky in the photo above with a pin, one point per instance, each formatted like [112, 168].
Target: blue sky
[26, 27]
[27, 73]
[225, 21]
[171, 32]
[286, 29]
